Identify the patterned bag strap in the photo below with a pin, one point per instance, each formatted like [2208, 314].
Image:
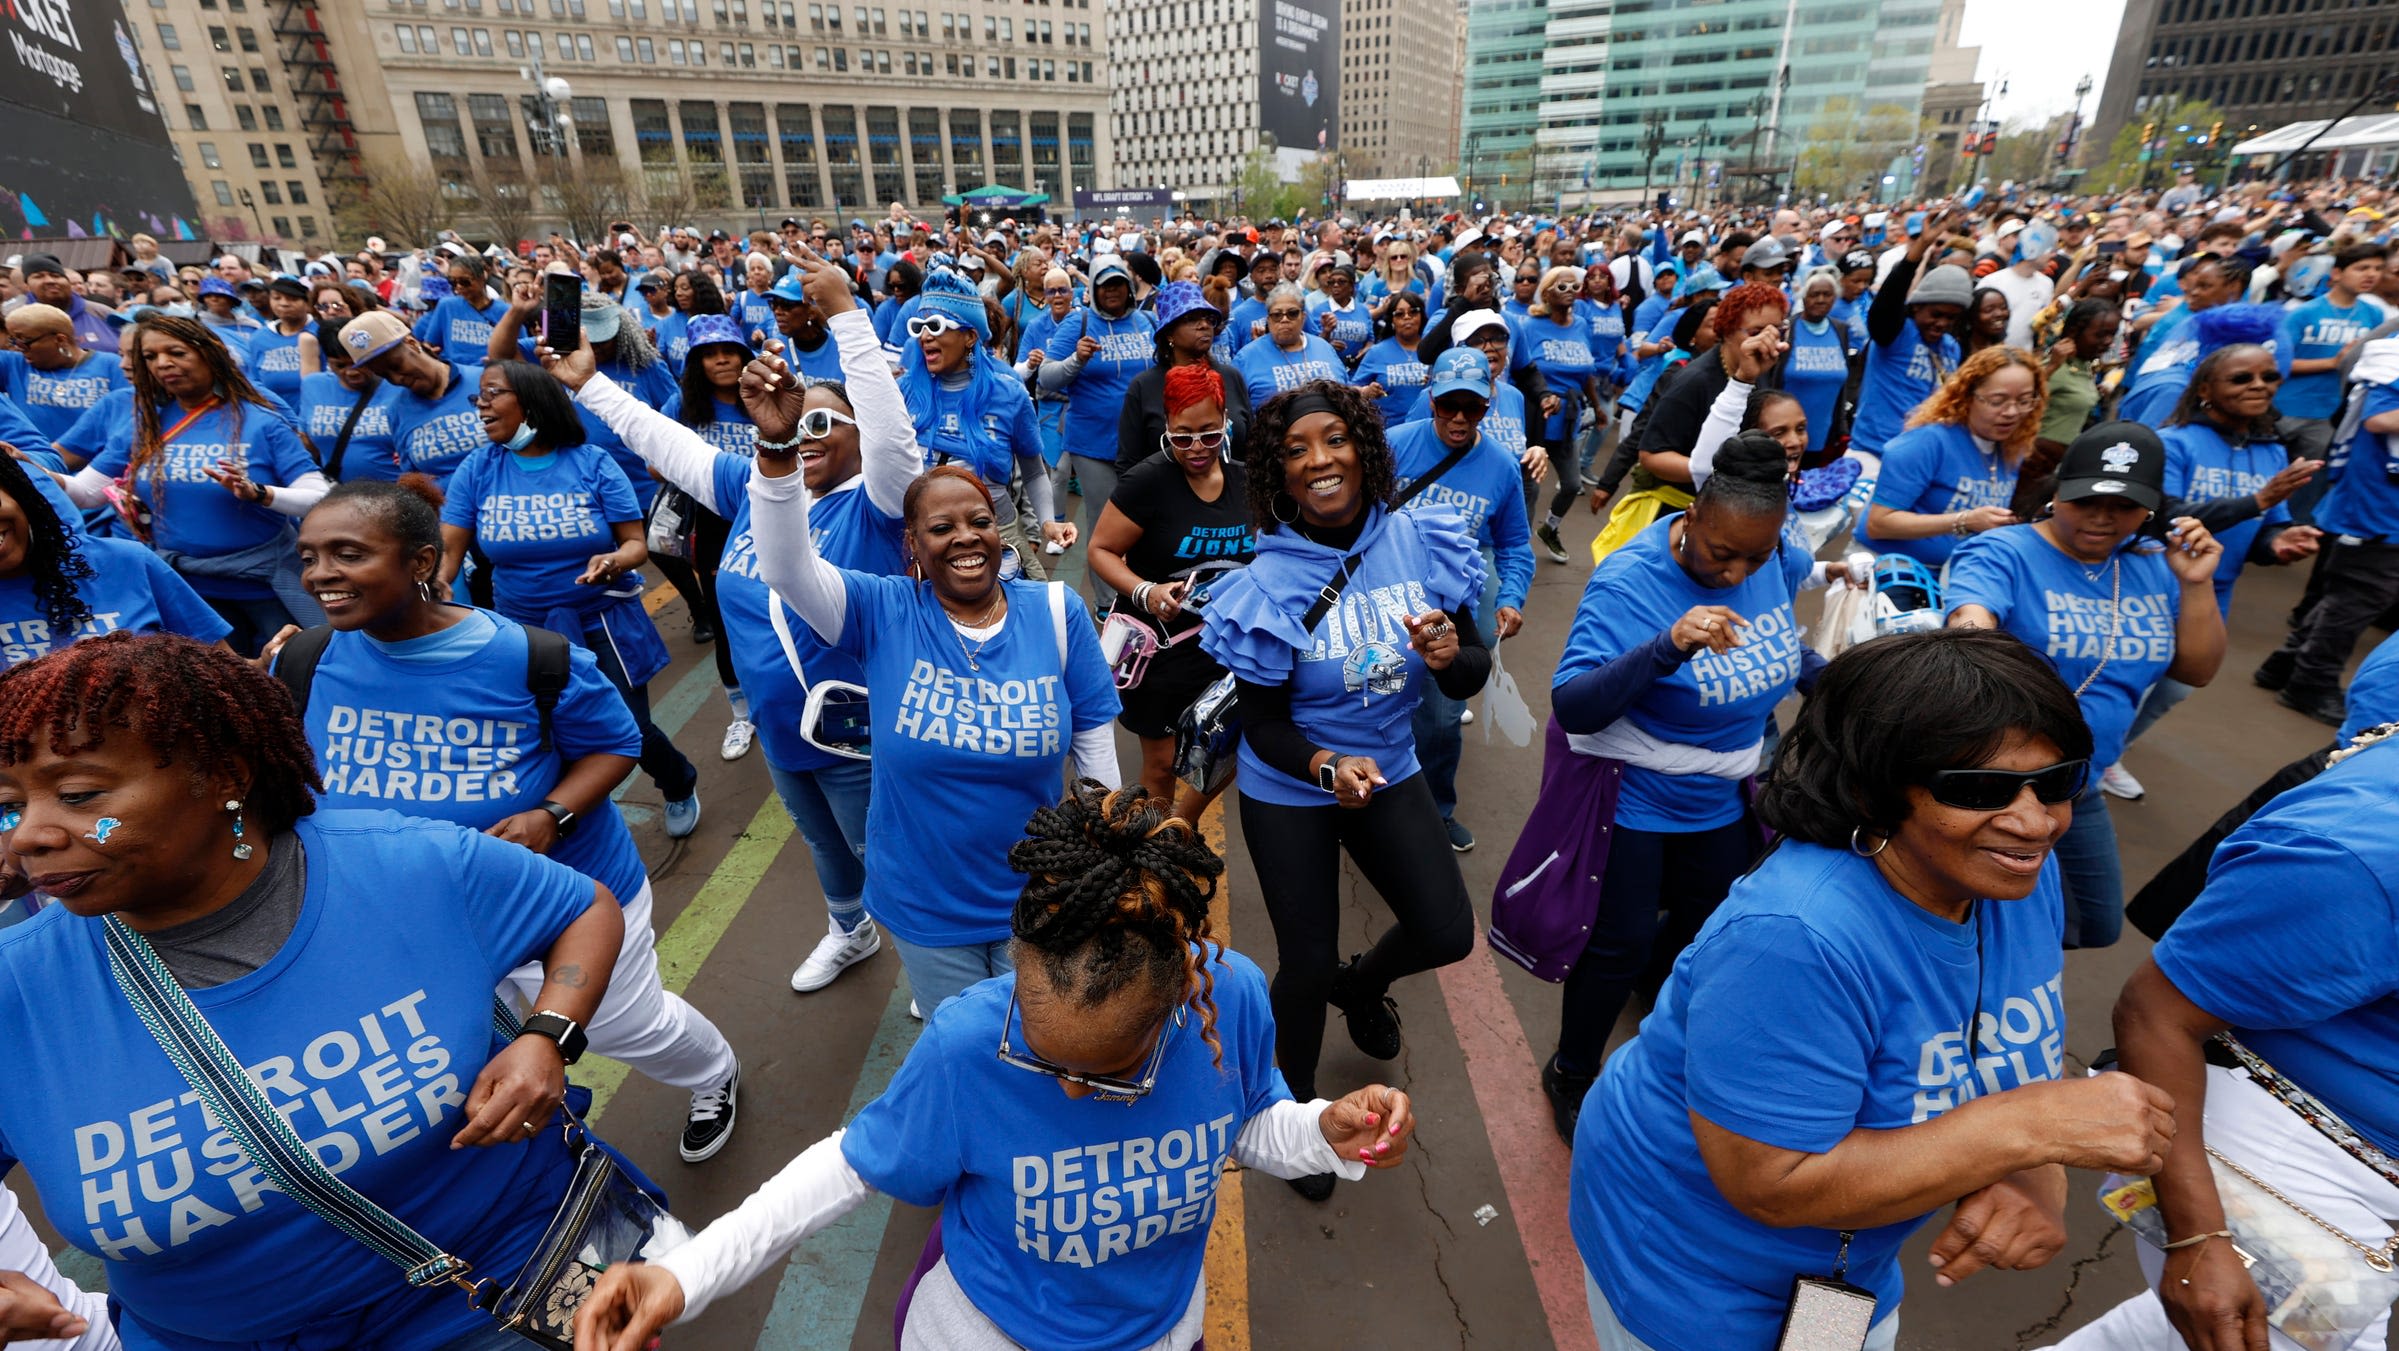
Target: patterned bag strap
[265, 1136]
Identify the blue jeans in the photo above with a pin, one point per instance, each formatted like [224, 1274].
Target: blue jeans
[828, 804]
[1440, 742]
[2092, 874]
[493, 1338]
[2160, 701]
[939, 974]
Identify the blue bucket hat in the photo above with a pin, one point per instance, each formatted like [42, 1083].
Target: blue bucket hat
[218, 286]
[1178, 300]
[954, 297]
[1460, 370]
[711, 330]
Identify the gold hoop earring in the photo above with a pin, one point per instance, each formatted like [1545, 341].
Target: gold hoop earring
[1856, 833]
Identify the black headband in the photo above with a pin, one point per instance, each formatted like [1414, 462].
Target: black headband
[1308, 399]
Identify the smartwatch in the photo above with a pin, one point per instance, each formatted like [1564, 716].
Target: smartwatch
[561, 1029]
[1325, 773]
[564, 816]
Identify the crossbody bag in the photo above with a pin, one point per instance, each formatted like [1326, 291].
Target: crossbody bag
[1208, 732]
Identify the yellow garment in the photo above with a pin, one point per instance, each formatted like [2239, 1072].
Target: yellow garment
[1635, 512]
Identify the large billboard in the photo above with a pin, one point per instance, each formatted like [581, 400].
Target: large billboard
[1299, 72]
[87, 151]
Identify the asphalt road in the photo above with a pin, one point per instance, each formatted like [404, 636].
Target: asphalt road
[1466, 1247]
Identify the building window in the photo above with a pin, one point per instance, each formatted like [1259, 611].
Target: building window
[966, 146]
[195, 117]
[704, 150]
[482, 42]
[168, 38]
[583, 48]
[223, 190]
[426, 42]
[841, 155]
[308, 227]
[495, 128]
[258, 155]
[285, 157]
[272, 191]
[297, 191]
[841, 58]
[648, 50]
[797, 131]
[282, 224]
[407, 39]
[273, 115]
[219, 40]
[183, 77]
[258, 79]
[1007, 148]
[515, 41]
[924, 151]
[248, 37]
[753, 158]
[655, 141]
[233, 78]
[624, 49]
[209, 157]
[674, 51]
[592, 132]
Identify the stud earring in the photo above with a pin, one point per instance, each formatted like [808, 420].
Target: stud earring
[242, 849]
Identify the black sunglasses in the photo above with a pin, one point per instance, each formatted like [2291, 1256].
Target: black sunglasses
[1990, 790]
[2239, 378]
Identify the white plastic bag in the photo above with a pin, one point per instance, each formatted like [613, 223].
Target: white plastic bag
[1504, 707]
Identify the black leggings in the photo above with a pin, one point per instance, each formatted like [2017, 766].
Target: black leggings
[1397, 841]
[695, 579]
[1686, 875]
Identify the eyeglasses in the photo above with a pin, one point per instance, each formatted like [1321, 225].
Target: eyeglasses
[2239, 378]
[1058, 291]
[818, 423]
[1990, 790]
[1207, 440]
[2006, 403]
[486, 398]
[1107, 1088]
[1284, 314]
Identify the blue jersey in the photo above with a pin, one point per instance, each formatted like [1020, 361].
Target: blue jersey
[433, 437]
[366, 1030]
[459, 739]
[1353, 328]
[1817, 1001]
[540, 521]
[1717, 701]
[1503, 422]
[1484, 492]
[275, 363]
[1899, 375]
[1268, 370]
[728, 427]
[131, 589]
[460, 331]
[754, 312]
[325, 406]
[1354, 679]
[193, 513]
[2078, 617]
[1933, 470]
[2202, 467]
[667, 333]
[2364, 500]
[1073, 1225]
[1401, 374]
[1814, 372]
[2312, 332]
[1566, 358]
[54, 400]
[1128, 346]
[1606, 324]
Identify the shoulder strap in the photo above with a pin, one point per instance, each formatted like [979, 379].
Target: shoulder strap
[341, 443]
[1419, 484]
[1058, 620]
[1329, 595]
[296, 664]
[548, 664]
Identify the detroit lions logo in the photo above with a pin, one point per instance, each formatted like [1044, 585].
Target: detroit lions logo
[102, 829]
[2119, 458]
[1375, 668]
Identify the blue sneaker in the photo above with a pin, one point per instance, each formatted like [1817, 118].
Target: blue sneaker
[683, 817]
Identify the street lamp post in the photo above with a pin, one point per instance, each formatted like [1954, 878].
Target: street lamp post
[2072, 147]
[252, 203]
[1653, 139]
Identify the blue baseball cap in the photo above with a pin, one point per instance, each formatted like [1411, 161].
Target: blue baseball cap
[1460, 370]
[711, 330]
[218, 286]
[788, 287]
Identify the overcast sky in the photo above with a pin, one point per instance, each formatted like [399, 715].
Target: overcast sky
[2032, 45]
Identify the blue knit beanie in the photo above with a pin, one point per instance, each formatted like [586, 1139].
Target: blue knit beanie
[954, 297]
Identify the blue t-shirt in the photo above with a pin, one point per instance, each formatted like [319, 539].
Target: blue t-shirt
[1268, 370]
[754, 311]
[851, 533]
[2069, 612]
[1097, 393]
[2364, 501]
[2312, 332]
[1073, 1225]
[2162, 370]
[275, 363]
[2202, 467]
[193, 513]
[1503, 422]
[367, 1028]
[1401, 374]
[325, 404]
[1817, 1001]
[814, 365]
[1236, 334]
[131, 588]
[984, 424]
[654, 386]
[1899, 375]
[1717, 701]
[2335, 1032]
[2373, 691]
[1853, 314]
[1484, 491]
[1933, 470]
[1814, 372]
[728, 428]
[1606, 325]
[1566, 358]
[1353, 328]
[667, 332]
[54, 400]
[460, 741]
[433, 437]
[996, 740]
[1354, 678]
[459, 331]
[540, 521]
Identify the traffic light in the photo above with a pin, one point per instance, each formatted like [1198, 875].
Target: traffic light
[2148, 137]
[2215, 132]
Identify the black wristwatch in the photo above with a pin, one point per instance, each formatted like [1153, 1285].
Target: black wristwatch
[561, 1029]
[563, 815]
[1326, 773]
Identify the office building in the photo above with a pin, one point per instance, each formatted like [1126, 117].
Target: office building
[2260, 62]
[1399, 87]
[1953, 100]
[1502, 97]
[1202, 83]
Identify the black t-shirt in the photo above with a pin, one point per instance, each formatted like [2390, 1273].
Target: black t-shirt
[1179, 532]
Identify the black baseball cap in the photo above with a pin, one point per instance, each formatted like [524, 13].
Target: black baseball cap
[2115, 459]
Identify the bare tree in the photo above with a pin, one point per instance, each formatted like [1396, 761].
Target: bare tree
[510, 205]
[409, 203]
[589, 197]
[667, 197]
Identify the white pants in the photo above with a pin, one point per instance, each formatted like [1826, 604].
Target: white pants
[2267, 1138]
[641, 1024]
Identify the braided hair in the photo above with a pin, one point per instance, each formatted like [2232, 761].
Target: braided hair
[196, 705]
[225, 378]
[1116, 897]
[53, 556]
[1750, 477]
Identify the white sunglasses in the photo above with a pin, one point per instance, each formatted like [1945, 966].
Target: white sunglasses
[818, 423]
[932, 325]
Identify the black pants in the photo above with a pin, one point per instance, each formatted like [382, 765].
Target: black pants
[694, 579]
[677, 778]
[2360, 581]
[1685, 875]
[1397, 841]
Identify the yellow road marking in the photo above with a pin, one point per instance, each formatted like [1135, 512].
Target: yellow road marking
[1228, 1236]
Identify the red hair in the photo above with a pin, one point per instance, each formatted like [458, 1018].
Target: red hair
[1191, 384]
[1743, 301]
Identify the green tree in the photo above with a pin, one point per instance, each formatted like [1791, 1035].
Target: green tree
[2124, 167]
[1261, 193]
[1844, 153]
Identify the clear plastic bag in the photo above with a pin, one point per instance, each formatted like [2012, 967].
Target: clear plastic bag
[1504, 707]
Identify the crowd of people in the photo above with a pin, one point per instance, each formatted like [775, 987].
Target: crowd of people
[315, 578]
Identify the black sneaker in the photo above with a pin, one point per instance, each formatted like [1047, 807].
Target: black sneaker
[1460, 838]
[2275, 671]
[1565, 1093]
[2326, 706]
[702, 634]
[1551, 544]
[1317, 1187]
[711, 1121]
[1373, 1022]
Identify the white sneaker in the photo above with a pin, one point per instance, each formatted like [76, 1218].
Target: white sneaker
[2117, 781]
[1466, 717]
[738, 735]
[835, 953]
[915, 1012]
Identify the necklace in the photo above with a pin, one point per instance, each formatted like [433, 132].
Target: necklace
[2115, 623]
[974, 655]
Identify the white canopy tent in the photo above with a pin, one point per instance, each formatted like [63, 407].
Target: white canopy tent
[2360, 143]
[1398, 189]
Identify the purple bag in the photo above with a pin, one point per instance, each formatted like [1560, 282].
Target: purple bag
[1549, 888]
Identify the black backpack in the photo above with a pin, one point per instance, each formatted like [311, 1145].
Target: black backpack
[548, 662]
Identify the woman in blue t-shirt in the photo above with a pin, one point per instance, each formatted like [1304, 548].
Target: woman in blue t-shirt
[980, 686]
[2112, 614]
[285, 350]
[1681, 647]
[1287, 356]
[709, 402]
[426, 708]
[1817, 365]
[1557, 330]
[1077, 1169]
[1391, 372]
[1328, 696]
[1091, 357]
[162, 791]
[1804, 1097]
[219, 472]
[350, 447]
[559, 526]
[969, 408]
[58, 584]
[1952, 474]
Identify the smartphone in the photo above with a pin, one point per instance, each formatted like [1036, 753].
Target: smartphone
[2109, 248]
[562, 311]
